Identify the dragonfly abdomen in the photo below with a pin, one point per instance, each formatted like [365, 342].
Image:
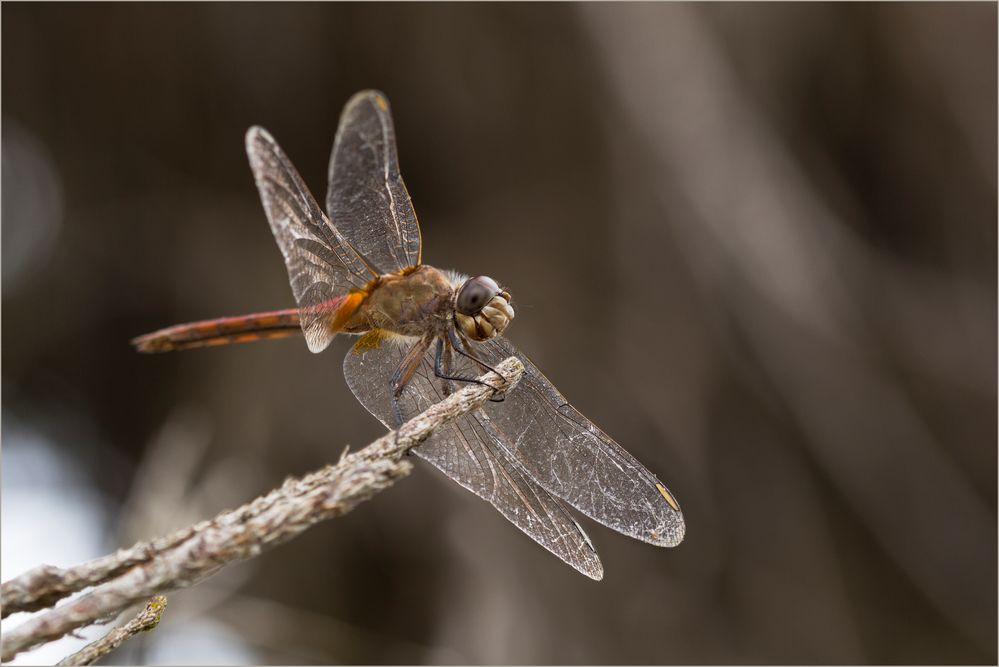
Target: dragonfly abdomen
[220, 331]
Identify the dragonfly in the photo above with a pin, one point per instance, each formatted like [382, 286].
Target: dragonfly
[357, 269]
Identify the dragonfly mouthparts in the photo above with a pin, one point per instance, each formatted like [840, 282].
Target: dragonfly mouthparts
[489, 322]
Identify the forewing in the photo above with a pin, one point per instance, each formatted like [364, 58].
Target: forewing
[574, 460]
[367, 199]
[322, 267]
[472, 452]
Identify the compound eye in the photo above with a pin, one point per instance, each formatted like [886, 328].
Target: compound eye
[475, 294]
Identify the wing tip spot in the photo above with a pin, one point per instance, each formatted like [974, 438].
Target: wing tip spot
[664, 492]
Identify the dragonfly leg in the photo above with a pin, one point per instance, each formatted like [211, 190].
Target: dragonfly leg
[443, 364]
[445, 375]
[396, 406]
[457, 345]
[396, 414]
[404, 373]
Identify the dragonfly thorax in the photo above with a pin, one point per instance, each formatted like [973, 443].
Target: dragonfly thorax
[409, 303]
[482, 309]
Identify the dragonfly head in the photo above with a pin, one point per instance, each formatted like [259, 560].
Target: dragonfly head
[482, 308]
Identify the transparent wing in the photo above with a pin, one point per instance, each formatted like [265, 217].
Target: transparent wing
[573, 459]
[367, 199]
[322, 267]
[474, 453]
[557, 447]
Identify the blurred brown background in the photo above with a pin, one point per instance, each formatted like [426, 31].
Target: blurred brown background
[755, 243]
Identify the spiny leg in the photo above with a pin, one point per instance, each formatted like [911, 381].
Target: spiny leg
[445, 374]
[404, 373]
[456, 343]
[443, 362]
[457, 346]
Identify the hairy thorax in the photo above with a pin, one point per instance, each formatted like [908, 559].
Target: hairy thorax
[409, 304]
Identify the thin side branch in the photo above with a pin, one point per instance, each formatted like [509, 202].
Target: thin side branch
[147, 619]
[190, 555]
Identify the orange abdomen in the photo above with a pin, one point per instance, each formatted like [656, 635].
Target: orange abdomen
[220, 331]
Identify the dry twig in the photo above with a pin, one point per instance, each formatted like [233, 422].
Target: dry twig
[188, 556]
[147, 619]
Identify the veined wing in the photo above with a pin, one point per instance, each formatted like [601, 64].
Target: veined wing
[472, 452]
[557, 447]
[367, 199]
[327, 275]
[573, 459]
